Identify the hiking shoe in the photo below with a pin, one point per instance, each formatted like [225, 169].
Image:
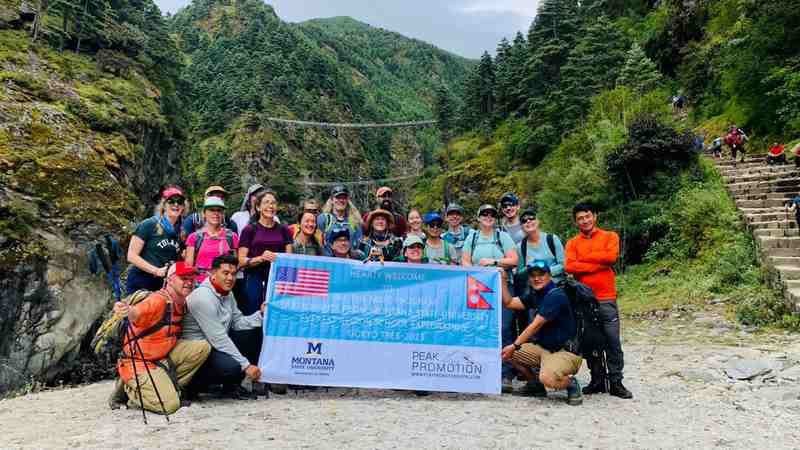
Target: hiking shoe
[595, 387]
[618, 390]
[280, 389]
[239, 393]
[260, 389]
[118, 396]
[574, 396]
[533, 389]
[507, 386]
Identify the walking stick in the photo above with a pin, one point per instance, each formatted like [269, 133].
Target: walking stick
[136, 346]
[131, 352]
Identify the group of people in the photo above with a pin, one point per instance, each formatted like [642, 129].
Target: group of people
[199, 329]
[735, 138]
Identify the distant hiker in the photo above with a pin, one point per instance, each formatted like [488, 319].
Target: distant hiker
[195, 221]
[456, 233]
[384, 196]
[341, 244]
[716, 147]
[212, 240]
[154, 362]
[735, 140]
[539, 246]
[542, 353]
[437, 250]
[776, 154]
[678, 102]
[509, 207]
[155, 243]
[107, 254]
[488, 246]
[339, 210]
[415, 224]
[413, 251]
[309, 206]
[259, 245]
[590, 257]
[235, 338]
[379, 241]
[247, 212]
[308, 239]
[793, 206]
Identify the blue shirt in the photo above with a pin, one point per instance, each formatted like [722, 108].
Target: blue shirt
[494, 246]
[542, 252]
[457, 239]
[553, 305]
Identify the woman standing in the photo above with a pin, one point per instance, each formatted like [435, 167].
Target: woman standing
[259, 246]
[308, 240]
[156, 243]
[414, 220]
[379, 241]
[539, 246]
[212, 240]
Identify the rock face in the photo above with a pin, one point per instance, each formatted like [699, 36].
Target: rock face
[80, 149]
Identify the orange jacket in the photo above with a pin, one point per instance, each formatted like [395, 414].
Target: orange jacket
[590, 260]
[155, 346]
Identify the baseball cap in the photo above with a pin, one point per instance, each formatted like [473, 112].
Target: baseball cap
[431, 217]
[454, 207]
[181, 269]
[338, 190]
[338, 232]
[538, 266]
[215, 189]
[173, 191]
[412, 239]
[485, 208]
[509, 197]
[383, 190]
[530, 212]
[213, 202]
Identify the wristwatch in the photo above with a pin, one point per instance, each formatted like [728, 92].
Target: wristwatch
[517, 347]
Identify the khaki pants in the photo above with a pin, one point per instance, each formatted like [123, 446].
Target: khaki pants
[553, 367]
[186, 357]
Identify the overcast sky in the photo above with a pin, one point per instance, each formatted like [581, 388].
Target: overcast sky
[464, 27]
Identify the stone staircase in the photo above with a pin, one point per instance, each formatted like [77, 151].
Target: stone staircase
[761, 193]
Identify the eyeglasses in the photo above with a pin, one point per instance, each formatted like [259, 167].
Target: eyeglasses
[527, 219]
[176, 201]
[507, 205]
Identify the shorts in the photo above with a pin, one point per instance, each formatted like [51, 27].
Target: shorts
[561, 363]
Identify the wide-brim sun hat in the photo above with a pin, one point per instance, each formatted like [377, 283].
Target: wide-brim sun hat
[380, 212]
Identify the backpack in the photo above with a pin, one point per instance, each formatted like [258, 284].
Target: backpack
[198, 243]
[589, 337]
[475, 234]
[521, 279]
[110, 337]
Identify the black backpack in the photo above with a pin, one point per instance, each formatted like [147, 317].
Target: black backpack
[589, 337]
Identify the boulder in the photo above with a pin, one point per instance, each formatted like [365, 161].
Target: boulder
[748, 369]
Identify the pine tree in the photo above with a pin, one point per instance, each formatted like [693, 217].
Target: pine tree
[503, 79]
[486, 78]
[517, 59]
[640, 72]
[443, 109]
[220, 171]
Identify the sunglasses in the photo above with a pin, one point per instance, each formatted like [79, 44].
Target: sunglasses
[527, 219]
[341, 197]
[507, 205]
[176, 200]
[487, 214]
[416, 246]
[435, 225]
[312, 211]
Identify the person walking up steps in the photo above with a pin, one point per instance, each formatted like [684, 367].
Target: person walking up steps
[590, 257]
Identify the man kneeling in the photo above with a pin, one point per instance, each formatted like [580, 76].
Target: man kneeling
[235, 338]
[542, 346]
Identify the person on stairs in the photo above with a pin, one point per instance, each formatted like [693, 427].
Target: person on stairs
[776, 154]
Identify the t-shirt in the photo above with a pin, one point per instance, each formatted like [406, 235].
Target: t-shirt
[195, 223]
[211, 247]
[257, 238]
[457, 238]
[437, 255]
[160, 246]
[542, 252]
[515, 231]
[553, 305]
[488, 246]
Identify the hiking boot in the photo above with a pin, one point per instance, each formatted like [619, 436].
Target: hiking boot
[118, 396]
[260, 389]
[280, 389]
[595, 387]
[239, 393]
[618, 390]
[507, 386]
[574, 397]
[533, 389]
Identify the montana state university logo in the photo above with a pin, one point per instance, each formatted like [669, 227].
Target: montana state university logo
[314, 348]
[312, 362]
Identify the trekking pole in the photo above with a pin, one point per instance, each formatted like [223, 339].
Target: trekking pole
[129, 333]
[152, 381]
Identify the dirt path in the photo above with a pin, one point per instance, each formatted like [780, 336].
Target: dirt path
[675, 367]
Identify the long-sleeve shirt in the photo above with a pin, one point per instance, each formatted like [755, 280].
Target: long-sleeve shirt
[590, 260]
[211, 316]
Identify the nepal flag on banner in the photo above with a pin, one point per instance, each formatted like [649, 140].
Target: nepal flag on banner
[474, 298]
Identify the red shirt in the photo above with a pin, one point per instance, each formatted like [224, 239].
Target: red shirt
[776, 150]
[590, 260]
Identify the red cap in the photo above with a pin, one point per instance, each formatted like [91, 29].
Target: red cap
[383, 190]
[182, 269]
[172, 192]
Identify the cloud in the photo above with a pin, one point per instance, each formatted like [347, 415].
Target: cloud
[523, 8]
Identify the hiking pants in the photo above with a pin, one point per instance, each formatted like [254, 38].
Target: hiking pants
[221, 368]
[186, 357]
[255, 291]
[609, 314]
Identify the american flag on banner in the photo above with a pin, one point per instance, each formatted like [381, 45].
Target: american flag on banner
[302, 282]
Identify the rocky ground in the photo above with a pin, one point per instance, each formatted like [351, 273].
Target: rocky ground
[699, 382]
